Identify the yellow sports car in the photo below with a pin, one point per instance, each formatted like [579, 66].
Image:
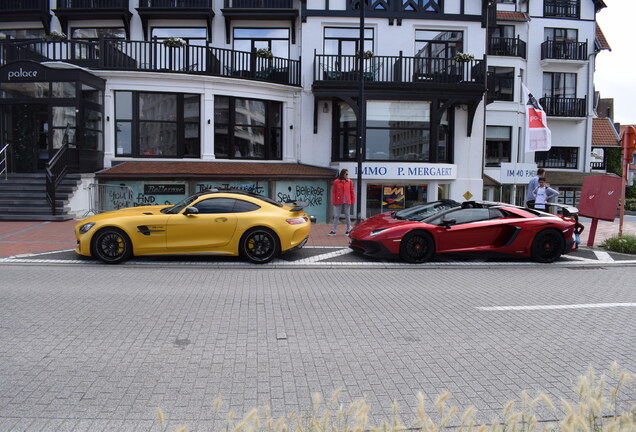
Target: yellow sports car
[217, 222]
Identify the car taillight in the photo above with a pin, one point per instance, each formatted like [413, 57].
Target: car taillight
[297, 220]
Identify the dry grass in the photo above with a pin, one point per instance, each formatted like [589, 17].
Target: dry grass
[598, 409]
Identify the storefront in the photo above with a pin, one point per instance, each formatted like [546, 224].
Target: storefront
[388, 186]
[43, 107]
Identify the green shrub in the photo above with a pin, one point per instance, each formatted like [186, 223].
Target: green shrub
[625, 244]
[604, 405]
[630, 204]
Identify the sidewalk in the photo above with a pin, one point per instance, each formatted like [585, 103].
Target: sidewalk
[17, 238]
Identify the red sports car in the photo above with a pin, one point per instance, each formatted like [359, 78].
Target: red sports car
[471, 227]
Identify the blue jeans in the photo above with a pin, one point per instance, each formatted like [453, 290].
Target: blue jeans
[342, 208]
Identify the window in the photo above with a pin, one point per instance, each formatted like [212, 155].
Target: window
[504, 31]
[560, 34]
[438, 43]
[503, 83]
[558, 157]
[215, 205]
[21, 33]
[275, 40]
[561, 8]
[157, 124]
[192, 35]
[559, 84]
[247, 128]
[96, 33]
[396, 130]
[498, 145]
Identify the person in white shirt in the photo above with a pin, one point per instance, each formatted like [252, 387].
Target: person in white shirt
[534, 183]
[543, 194]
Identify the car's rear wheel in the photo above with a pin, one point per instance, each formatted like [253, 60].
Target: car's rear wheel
[547, 246]
[111, 245]
[417, 247]
[259, 245]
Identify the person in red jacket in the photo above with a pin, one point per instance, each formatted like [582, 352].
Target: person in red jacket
[343, 197]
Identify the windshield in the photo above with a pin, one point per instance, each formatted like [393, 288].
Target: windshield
[420, 212]
[182, 204]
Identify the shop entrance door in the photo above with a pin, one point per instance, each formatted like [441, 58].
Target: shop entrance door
[27, 132]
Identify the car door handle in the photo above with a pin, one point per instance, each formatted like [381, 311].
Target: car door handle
[221, 219]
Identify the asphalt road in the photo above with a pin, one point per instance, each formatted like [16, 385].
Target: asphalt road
[94, 347]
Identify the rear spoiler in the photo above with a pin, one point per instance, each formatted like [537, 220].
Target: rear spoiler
[297, 205]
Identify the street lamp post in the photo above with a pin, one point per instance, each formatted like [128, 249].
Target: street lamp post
[361, 114]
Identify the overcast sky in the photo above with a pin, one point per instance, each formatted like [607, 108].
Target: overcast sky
[615, 75]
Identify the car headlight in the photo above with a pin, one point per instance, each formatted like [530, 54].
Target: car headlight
[84, 228]
[379, 231]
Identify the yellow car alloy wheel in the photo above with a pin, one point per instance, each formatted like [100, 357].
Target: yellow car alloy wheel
[259, 245]
[111, 245]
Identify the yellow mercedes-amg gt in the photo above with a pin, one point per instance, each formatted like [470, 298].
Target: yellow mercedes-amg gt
[217, 222]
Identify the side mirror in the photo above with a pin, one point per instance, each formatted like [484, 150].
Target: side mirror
[446, 223]
[191, 210]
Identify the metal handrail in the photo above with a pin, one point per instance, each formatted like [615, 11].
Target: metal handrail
[3, 161]
[56, 169]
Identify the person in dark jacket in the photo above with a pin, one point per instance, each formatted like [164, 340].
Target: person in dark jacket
[342, 197]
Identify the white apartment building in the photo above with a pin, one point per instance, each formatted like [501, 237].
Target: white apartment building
[170, 97]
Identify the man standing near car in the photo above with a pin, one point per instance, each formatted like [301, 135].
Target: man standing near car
[534, 183]
[543, 194]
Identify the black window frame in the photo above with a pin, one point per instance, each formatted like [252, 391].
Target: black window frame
[558, 157]
[272, 133]
[562, 8]
[502, 149]
[497, 79]
[136, 120]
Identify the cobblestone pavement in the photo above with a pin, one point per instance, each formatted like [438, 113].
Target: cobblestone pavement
[99, 348]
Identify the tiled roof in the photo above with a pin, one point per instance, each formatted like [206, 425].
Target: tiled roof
[512, 16]
[604, 134]
[600, 39]
[196, 170]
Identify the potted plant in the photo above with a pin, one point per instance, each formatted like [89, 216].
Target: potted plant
[368, 54]
[463, 57]
[174, 42]
[264, 53]
[54, 36]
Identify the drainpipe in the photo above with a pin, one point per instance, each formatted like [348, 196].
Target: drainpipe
[590, 102]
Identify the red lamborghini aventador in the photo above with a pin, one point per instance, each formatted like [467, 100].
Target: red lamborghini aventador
[471, 227]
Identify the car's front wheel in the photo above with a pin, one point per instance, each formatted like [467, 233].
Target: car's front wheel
[417, 247]
[111, 245]
[547, 246]
[259, 245]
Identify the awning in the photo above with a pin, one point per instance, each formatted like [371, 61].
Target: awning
[215, 170]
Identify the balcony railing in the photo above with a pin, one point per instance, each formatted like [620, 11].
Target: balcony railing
[24, 6]
[564, 50]
[597, 165]
[258, 4]
[92, 4]
[399, 69]
[564, 107]
[153, 56]
[561, 8]
[168, 4]
[510, 47]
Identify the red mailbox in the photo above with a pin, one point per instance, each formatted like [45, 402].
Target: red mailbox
[599, 197]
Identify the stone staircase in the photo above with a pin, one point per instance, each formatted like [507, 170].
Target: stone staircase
[23, 198]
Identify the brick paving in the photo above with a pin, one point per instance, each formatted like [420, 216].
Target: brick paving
[18, 238]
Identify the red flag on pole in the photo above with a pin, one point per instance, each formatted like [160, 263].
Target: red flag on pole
[538, 136]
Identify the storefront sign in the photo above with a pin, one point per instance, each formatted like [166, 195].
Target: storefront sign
[402, 171]
[517, 173]
[23, 71]
[313, 192]
[247, 186]
[164, 189]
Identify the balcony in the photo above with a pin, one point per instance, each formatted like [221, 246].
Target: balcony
[564, 50]
[27, 10]
[68, 10]
[508, 47]
[262, 10]
[175, 9]
[561, 8]
[153, 56]
[564, 107]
